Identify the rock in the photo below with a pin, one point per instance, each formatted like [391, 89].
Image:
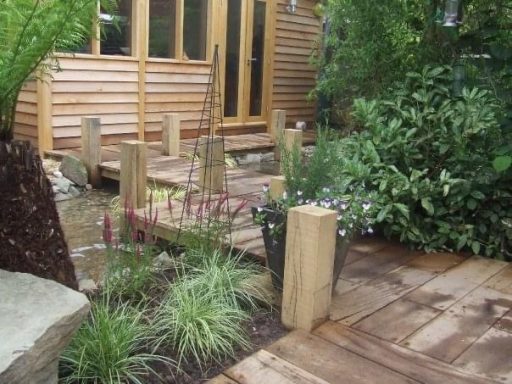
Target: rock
[163, 261]
[87, 285]
[88, 187]
[62, 196]
[58, 174]
[301, 125]
[73, 168]
[38, 317]
[267, 157]
[55, 189]
[73, 191]
[63, 184]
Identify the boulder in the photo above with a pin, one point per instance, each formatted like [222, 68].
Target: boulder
[38, 317]
[73, 169]
[63, 184]
[163, 261]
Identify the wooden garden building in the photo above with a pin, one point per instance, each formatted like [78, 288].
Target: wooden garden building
[156, 59]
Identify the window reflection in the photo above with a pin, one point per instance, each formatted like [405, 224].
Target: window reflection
[195, 25]
[116, 31]
[162, 28]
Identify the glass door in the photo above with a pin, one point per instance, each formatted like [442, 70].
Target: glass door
[245, 64]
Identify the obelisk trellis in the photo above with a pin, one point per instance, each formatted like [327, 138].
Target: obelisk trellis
[208, 168]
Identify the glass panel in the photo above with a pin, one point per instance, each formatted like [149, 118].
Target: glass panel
[117, 30]
[232, 77]
[195, 25]
[257, 58]
[162, 28]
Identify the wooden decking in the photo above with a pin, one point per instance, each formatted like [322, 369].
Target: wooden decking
[400, 317]
[256, 142]
[245, 235]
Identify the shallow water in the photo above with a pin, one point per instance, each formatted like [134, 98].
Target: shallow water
[82, 221]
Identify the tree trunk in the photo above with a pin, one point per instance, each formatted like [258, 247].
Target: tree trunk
[31, 238]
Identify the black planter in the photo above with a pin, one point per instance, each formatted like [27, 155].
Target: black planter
[275, 246]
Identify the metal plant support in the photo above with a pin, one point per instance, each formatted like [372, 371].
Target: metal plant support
[201, 205]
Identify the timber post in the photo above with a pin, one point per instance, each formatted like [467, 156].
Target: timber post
[91, 148]
[211, 164]
[171, 134]
[309, 262]
[277, 187]
[276, 130]
[132, 184]
[292, 142]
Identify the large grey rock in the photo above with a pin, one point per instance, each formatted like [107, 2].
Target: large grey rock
[63, 184]
[38, 317]
[73, 168]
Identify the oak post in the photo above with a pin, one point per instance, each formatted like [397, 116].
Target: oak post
[211, 164]
[277, 187]
[292, 142]
[132, 185]
[91, 148]
[171, 135]
[277, 129]
[307, 286]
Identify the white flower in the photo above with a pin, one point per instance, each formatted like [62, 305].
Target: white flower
[340, 217]
[285, 195]
[271, 225]
[343, 205]
[313, 203]
[300, 201]
[326, 190]
[299, 193]
[342, 232]
[260, 209]
[370, 230]
[265, 188]
[367, 205]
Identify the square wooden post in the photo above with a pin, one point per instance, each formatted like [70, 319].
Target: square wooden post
[171, 135]
[292, 142]
[277, 129]
[91, 148]
[277, 187]
[132, 185]
[309, 262]
[211, 164]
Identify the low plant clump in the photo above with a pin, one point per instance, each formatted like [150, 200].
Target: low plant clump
[155, 325]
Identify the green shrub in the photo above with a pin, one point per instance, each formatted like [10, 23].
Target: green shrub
[430, 156]
[111, 347]
[200, 326]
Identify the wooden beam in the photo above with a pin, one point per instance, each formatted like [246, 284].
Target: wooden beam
[277, 187]
[310, 246]
[91, 148]
[171, 134]
[292, 142]
[140, 34]
[44, 114]
[132, 185]
[278, 124]
[277, 130]
[211, 163]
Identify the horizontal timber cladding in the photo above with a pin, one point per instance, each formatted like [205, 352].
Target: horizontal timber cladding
[93, 86]
[174, 88]
[296, 38]
[25, 122]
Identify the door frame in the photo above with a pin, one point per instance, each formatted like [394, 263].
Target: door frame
[244, 84]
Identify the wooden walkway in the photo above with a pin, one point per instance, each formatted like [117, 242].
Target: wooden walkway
[245, 236]
[256, 142]
[399, 317]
